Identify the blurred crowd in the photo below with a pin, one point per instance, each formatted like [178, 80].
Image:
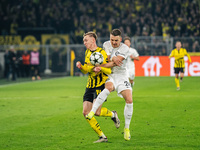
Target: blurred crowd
[175, 18]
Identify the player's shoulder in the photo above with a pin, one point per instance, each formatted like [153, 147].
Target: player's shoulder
[174, 50]
[124, 47]
[132, 49]
[100, 49]
[87, 51]
[183, 49]
[106, 44]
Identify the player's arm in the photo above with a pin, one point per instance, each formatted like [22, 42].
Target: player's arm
[84, 68]
[134, 55]
[135, 58]
[172, 54]
[106, 70]
[106, 60]
[109, 58]
[103, 69]
[117, 60]
[189, 58]
[81, 67]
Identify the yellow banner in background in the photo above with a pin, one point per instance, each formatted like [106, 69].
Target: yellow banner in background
[194, 53]
[54, 39]
[10, 40]
[30, 40]
[46, 39]
[18, 42]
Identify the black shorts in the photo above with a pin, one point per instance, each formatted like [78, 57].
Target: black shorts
[92, 93]
[177, 70]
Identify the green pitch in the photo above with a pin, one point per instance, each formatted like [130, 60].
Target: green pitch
[47, 115]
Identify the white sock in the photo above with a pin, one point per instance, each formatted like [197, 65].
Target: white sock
[100, 99]
[128, 112]
[112, 115]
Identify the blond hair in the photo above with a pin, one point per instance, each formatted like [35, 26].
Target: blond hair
[90, 34]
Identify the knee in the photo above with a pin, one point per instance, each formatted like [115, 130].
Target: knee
[110, 89]
[129, 101]
[109, 86]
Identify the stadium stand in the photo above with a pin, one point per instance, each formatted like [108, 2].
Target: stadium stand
[135, 18]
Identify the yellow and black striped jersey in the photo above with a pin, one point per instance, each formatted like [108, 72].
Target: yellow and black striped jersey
[179, 57]
[95, 80]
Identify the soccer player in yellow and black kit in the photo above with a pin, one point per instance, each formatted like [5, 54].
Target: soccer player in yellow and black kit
[179, 66]
[95, 84]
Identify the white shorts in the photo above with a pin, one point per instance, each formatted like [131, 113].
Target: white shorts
[131, 73]
[120, 82]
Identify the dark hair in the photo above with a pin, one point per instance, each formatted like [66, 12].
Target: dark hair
[91, 34]
[127, 38]
[116, 32]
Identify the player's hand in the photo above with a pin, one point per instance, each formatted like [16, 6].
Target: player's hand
[117, 61]
[132, 57]
[78, 64]
[97, 69]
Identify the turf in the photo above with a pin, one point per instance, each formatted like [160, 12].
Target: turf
[47, 115]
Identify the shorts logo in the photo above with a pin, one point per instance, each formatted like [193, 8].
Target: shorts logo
[98, 91]
[127, 84]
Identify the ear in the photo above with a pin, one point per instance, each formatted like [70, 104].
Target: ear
[120, 39]
[94, 40]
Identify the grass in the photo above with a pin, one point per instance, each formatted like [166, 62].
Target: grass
[47, 115]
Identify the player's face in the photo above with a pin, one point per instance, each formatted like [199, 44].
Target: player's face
[178, 45]
[88, 41]
[115, 40]
[127, 42]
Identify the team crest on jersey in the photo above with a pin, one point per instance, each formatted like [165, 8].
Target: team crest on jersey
[117, 53]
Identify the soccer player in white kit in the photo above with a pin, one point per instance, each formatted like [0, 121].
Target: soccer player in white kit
[133, 55]
[118, 79]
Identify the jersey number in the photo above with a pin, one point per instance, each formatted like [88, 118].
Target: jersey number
[127, 84]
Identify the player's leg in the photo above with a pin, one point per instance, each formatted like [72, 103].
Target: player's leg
[128, 112]
[87, 106]
[132, 77]
[101, 98]
[104, 112]
[181, 74]
[176, 71]
[93, 122]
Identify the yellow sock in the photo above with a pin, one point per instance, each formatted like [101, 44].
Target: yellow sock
[177, 82]
[95, 126]
[105, 112]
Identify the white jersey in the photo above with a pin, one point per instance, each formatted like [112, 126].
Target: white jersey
[130, 62]
[122, 50]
